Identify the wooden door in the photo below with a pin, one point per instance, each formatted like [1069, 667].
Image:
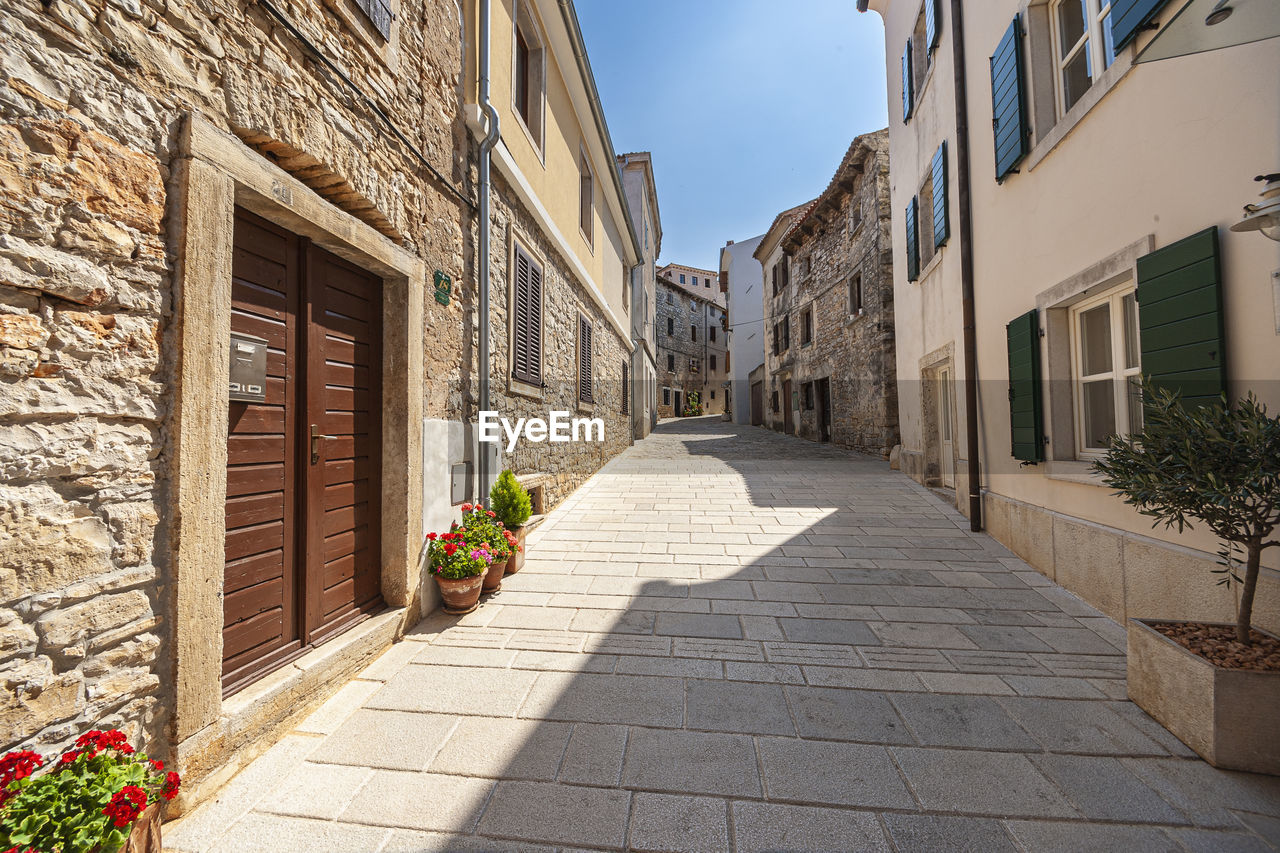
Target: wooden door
[946, 429]
[302, 544]
[822, 391]
[787, 411]
[757, 403]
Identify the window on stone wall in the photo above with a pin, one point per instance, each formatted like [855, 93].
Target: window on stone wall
[626, 388]
[682, 278]
[526, 325]
[671, 298]
[806, 327]
[855, 214]
[586, 374]
[693, 332]
[925, 224]
[855, 294]
[694, 365]
[671, 326]
[713, 393]
[726, 362]
[773, 402]
[671, 363]
[711, 333]
[786, 333]
[587, 197]
[666, 396]
[528, 86]
[713, 363]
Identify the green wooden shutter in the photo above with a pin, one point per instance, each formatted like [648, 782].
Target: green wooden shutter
[941, 218]
[913, 240]
[1180, 318]
[1026, 421]
[908, 87]
[932, 12]
[1008, 102]
[1128, 17]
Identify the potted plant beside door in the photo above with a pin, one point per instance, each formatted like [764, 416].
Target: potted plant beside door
[459, 567]
[484, 529]
[1216, 686]
[511, 503]
[99, 796]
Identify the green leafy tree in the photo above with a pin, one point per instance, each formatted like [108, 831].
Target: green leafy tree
[510, 501]
[1217, 464]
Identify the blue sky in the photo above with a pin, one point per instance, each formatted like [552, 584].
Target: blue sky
[747, 105]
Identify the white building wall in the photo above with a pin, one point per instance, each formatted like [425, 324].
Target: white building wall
[746, 321]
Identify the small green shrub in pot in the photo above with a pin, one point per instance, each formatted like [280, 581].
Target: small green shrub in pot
[1218, 465]
[509, 501]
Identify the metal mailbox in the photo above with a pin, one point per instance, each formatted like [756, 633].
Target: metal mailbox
[248, 368]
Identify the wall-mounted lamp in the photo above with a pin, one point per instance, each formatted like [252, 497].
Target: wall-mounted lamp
[1264, 217]
[1220, 12]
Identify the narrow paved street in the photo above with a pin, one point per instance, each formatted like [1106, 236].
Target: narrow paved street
[734, 640]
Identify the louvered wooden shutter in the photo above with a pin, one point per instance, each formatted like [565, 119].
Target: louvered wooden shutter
[1008, 101]
[379, 14]
[1128, 17]
[626, 388]
[1180, 318]
[913, 240]
[1026, 422]
[584, 360]
[941, 218]
[526, 344]
[932, 17]
[908, 85]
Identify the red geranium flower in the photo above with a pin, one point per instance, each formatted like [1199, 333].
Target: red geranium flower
[466, 507]
[491, 514]
[126, 805]
[171, 784]
[431, 536]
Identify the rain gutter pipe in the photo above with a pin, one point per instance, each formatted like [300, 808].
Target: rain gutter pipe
[486, 162]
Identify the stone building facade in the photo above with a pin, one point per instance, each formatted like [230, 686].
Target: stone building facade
[692, 346]
[142, 145]
[828, 316]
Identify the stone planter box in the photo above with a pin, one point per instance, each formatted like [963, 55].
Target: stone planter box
[1226, 715]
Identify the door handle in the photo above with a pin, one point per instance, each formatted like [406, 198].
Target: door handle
[315, 443]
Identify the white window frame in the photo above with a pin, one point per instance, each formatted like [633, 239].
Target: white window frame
[1119, 374]
[1094, 42]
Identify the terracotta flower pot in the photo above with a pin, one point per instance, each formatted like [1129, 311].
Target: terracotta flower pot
[493, 577]
[461, 595]
[515, 562]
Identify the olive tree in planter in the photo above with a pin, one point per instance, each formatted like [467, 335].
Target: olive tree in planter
[1216, 466]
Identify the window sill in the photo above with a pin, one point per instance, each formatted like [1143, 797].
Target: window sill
[524, 389]
[533, 143]
[931, 266]
[855, 317]
[1062, 128]
[1074, 471]
[586, 407]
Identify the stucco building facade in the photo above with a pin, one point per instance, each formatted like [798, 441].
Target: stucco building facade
[740, 280]
[177, 181]
[1069, 231]
[642, 200]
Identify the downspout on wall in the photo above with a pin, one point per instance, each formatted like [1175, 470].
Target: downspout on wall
[964, 203]
[485, 475]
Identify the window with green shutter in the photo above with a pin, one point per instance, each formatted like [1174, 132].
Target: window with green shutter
[932, 17]
[1026, 419]
[1128, 17]
[908, 84]
[941, 218]
[913, 240]
[1008, 102]
[1180, 318]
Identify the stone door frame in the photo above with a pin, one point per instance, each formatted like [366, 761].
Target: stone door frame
[931, 366]
[213, 174]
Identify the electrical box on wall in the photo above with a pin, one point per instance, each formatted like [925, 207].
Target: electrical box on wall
[248, 368]
[459, 482]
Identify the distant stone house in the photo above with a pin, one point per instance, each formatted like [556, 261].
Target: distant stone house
[692, 341]
[828, 309]
[237, 320]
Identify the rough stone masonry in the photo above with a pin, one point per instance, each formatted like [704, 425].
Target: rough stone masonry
[93, 95]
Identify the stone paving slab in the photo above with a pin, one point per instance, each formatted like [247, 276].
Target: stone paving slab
[734, 640]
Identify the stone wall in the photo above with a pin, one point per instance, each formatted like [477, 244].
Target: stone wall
[854, 351]
[93, 95]
[681, 345]
[566, 465]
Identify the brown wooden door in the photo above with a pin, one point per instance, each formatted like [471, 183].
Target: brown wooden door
[302, 544]
[786, 406]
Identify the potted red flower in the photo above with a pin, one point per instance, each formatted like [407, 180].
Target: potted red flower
[458, 565]
[482, 527]
[98, 797]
